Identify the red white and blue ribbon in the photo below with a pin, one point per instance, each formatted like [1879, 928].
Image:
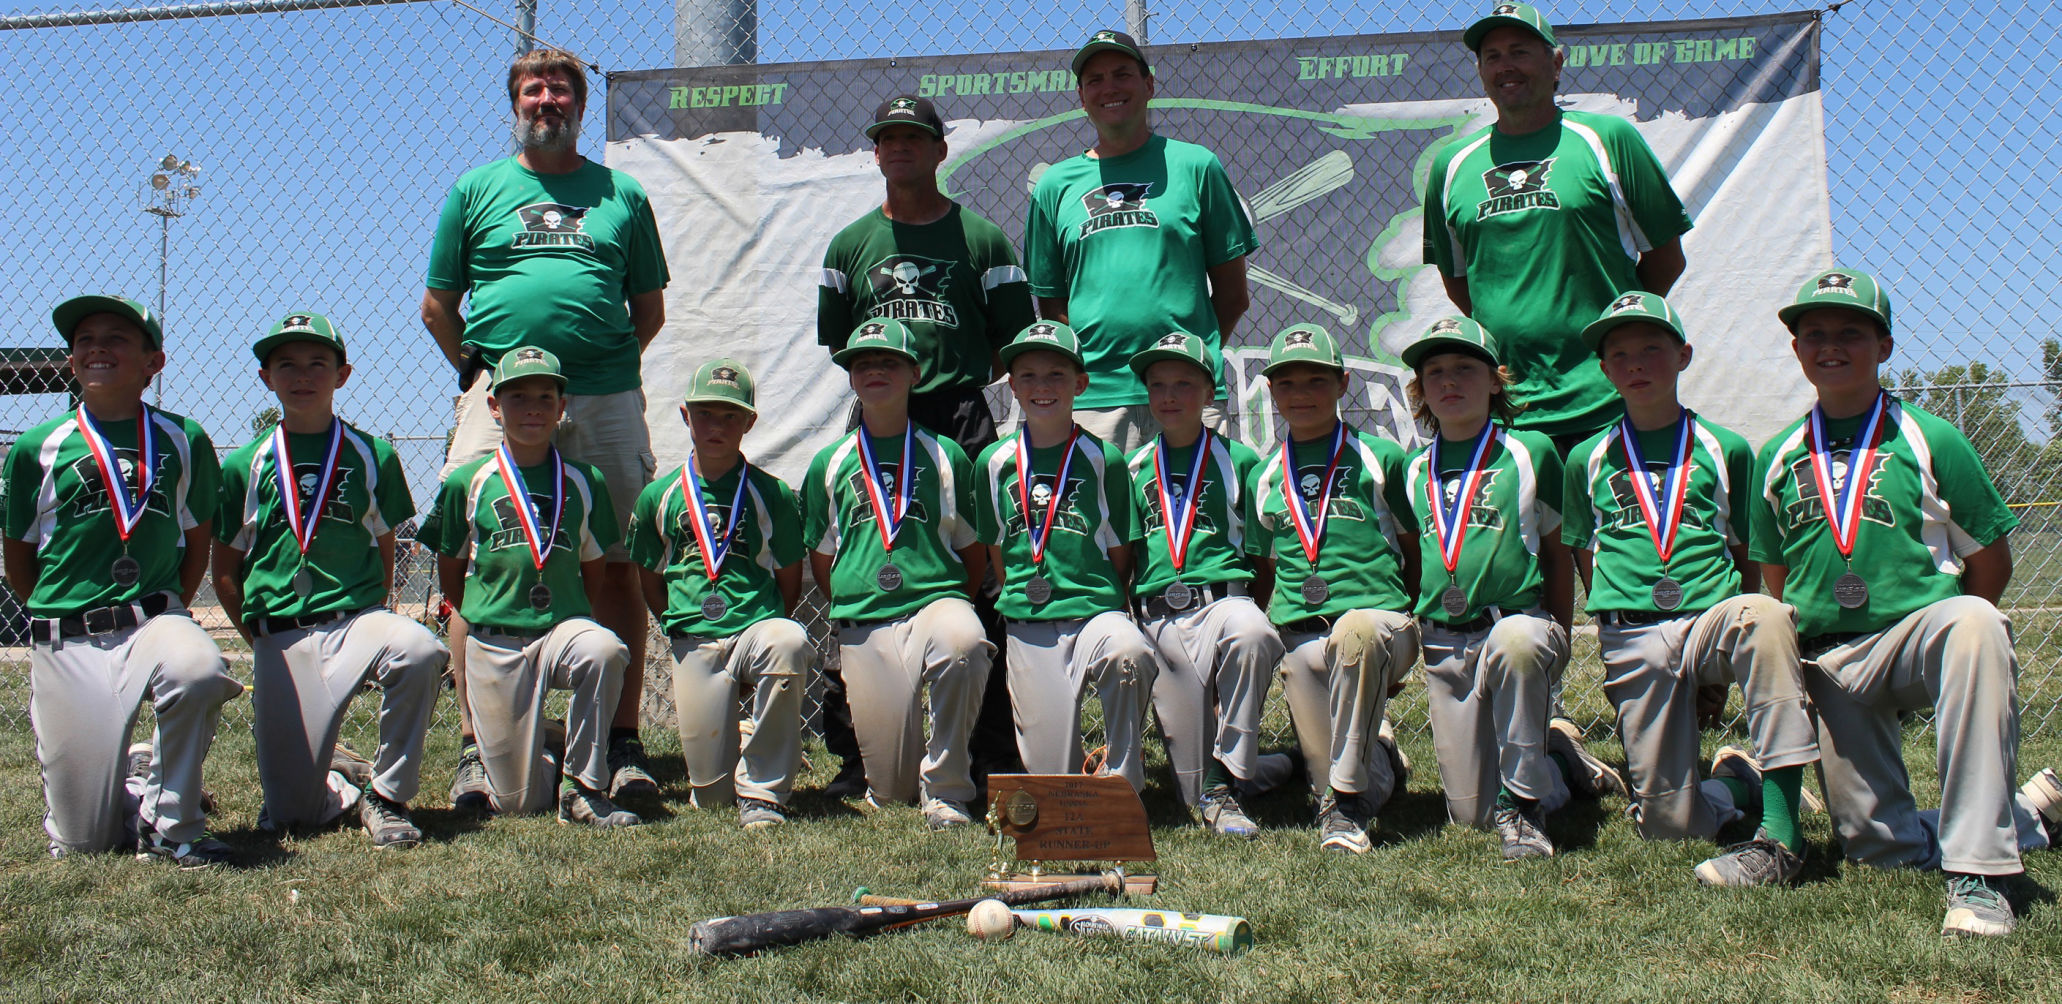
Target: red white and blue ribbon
[1452, 527]
[1310, 530]
[303, 521]
[128, 511]
[1842, 501]
[1025, 474]
[1663, 513]
[887, 518]
[1181, 522]
[539, 538]
[715, 544]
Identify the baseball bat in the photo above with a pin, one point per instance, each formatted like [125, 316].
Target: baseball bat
[756, 931]
[1320, 177]
[1207, 931]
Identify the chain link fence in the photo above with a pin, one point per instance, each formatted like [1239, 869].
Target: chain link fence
[323, 135]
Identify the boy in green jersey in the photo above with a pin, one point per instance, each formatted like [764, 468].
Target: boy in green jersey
[1876, 521]
[1335, 535]
[519, 536]
[304, 561]
[892, 544]
[106, 542]
[720, 546]
[1055, 511]
[1495, 605]
[1655, 510]
[1194, 587]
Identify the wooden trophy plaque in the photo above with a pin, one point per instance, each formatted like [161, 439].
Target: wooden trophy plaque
[1071, 818]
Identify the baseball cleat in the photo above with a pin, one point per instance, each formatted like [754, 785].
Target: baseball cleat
[1342, 822]
[850, 782]
[139, 760]
[2045, 793]
[387, 822]
[1399, 762]
[354, 767]
[1223, 814]
[469, 787]
[203, 853]
[1737, 763]
[1759, 861]
[1593, 778]
[1976, 907]
[945, 814]
[759, 814]
[628, 777]
[1523, 833]
[580, 804]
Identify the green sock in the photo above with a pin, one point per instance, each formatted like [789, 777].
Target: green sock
[1561, 764]
[1780, 793]
[1215, 776]
[1742, 794]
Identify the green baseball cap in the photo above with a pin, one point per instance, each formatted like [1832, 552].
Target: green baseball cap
[1044, 336]
[1178, 345]
[527, 361]
[1109, 41]
[69, 313]
[1518, 15]
[882, 334]
[1839, 287]
[722, 381]
[300, 326]
[1304, 343]
[1637, 305]
[1452, 334]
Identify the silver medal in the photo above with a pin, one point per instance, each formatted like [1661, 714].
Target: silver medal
[1668, 594]
[304, 584]
[1850, 592]
[1454, 600]
[1315, 589]
[714, 608]
[540, 596]
[889, 578]
[1038, 589]
[1178, 596]
[125, 571]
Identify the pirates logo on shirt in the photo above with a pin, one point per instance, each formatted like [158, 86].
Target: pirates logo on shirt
[1483, 514]
[552, 225]
[1625, 506]
[1156, 517]
[1310, 480]
[1517, 187]
[911, 287]
[1808, 510]
[1043, 498]
[860, 511]
[509, 526]
[308, 477]
[1119, 204]
[91, 495]
[691, 546]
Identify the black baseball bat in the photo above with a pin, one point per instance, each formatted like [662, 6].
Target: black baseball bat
[755, 931]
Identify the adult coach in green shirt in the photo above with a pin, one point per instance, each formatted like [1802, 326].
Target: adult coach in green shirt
[562, 253]
[1139, 236]
[1575, 197]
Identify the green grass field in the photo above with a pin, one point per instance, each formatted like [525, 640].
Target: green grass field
[526, 909]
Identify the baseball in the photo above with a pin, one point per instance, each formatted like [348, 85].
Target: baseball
[990, 920]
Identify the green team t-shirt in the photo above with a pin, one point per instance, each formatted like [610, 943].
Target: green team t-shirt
[475, 518]
[1603, 517]
[765, 536]
[1517, 504]
[1578, 201]
[1929, 505]
[838, 520]
[1366, 522]
[1223, 521]
[57, 501]
[1126, 242]
[954, 282]
[551, 260]
[370, 497]
[1095, 514]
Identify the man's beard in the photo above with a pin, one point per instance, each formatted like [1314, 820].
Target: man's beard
[547, 137]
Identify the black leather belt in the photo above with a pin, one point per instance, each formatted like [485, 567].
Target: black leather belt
[1156, 606]
[274, 625]
[1818, 644]
[100, 620]
[1488, 619]
[1635, 618]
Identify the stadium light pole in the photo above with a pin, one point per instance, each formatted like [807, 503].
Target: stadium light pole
[173, 184]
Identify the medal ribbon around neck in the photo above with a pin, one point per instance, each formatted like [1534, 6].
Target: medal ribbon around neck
[1663, 515]
[888, 521]
[715, 545]
[303, 521]
[128, 512]
[1059, 488]
[526, 513]
[1310, 531]
[1842, 502]
[1185, 517]
[1452, 528]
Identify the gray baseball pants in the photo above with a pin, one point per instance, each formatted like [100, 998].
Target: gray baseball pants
[506, 679]
[1051, 666]
[1488, 695]
[1651, 674]
[886, 665]
[84, 693]
[1956, 656]
[1212, 681]
[301, 682]
[765, 661]
[1337, 683]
